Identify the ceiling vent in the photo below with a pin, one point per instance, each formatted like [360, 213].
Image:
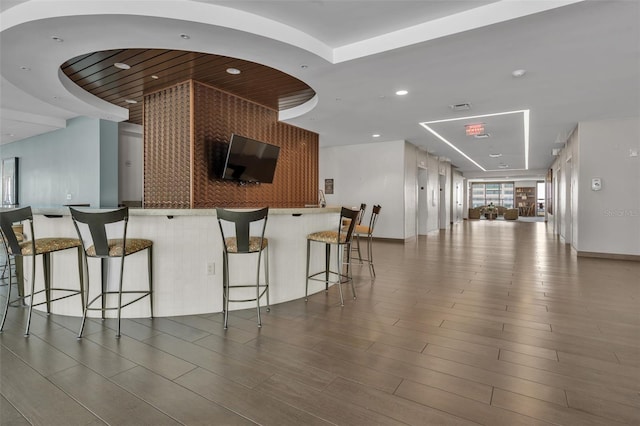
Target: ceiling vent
[460, 107]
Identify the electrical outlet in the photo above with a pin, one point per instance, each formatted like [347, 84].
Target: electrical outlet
[211, 268]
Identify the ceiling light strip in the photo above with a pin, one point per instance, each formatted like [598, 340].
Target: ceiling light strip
[470, 117]
[525, 115]
[436, 134]
[526, 139]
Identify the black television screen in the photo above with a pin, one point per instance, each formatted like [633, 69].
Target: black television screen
[249, 160]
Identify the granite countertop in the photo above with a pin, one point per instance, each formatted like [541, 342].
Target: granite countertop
[64, 211]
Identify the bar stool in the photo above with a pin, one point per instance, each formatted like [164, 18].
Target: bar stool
[9, 267]
[341, 238]
[367, 231]
[94, 230]
[17, 248]
[363, 208]
[240, 241]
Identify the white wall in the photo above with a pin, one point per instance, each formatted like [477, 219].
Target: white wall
[410, 190]
[130, 162]
[386, 173]
[371, 174]
[609, 219]
[63, 166]
[433, 194]
[605, 221]
[444, 168]
[108, 163]
[427, 193]
[458, 196]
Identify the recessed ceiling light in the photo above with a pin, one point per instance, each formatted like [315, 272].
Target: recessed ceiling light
[24, 68]
[155, 77]
[304, 67]
[233, 71]
[495, 155]
[518, 73]
[122, 65]
[375, 135]
[131, 101]
[402, 92]
[185, 36]
[57, 39]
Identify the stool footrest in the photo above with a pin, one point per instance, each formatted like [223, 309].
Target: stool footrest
[142, 292]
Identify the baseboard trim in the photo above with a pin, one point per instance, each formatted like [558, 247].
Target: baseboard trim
[386, 240]
[613, 256]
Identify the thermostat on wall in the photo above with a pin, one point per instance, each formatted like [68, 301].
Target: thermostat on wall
[596, 184]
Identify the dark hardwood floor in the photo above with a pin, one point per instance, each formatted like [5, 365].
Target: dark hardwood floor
[491, 322]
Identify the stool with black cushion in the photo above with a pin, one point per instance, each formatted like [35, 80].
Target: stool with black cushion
[17, 248]
[236, 228]
[341, 237]
[104, 236]
[367, 231]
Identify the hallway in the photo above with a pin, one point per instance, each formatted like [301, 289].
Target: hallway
[490, 322]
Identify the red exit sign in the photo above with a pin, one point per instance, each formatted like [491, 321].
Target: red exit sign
[474, 129]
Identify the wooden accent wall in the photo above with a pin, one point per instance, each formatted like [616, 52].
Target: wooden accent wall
[186, 131]
[167, 148]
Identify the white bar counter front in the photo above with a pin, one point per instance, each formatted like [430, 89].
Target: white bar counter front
[187, 259]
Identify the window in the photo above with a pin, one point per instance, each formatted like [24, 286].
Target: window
[498, 193]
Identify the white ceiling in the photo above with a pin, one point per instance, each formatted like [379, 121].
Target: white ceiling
[582, 60]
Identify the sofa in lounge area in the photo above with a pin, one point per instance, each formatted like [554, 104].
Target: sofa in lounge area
[475, 213]
[511, 214]
[508, 214]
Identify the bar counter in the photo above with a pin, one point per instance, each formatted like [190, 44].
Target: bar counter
[187, 259]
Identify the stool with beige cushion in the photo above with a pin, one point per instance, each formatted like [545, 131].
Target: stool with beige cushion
[367, 231]
[104, 236]
[237, 239]
[341, 237]
[36, 246]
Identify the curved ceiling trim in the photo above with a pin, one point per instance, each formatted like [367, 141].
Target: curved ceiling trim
[482, 16]
[209, 14]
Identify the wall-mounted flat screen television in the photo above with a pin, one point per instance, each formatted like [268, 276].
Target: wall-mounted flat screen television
[249, 160]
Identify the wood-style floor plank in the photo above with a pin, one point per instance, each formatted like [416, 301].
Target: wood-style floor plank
[92, 390]
[551, 413]
[9, 415]
[401, 409]
[176, 401]
[462, 407]
[36, 398]
[490, 322]
[323, 405]
[258, 407]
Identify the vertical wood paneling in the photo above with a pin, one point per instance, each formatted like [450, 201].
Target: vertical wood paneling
[192, 123]
[167, 168]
